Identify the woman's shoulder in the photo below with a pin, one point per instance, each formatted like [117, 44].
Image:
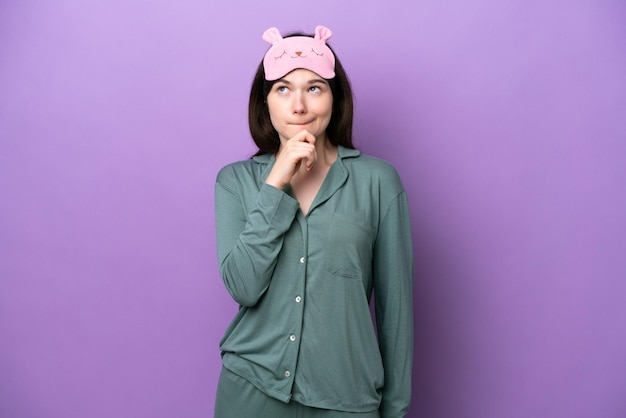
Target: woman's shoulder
[236, 166]
[373, 175]
[373, 166]
[238, 171]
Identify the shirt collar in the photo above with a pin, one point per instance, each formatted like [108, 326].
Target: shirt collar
[342, 153]
[269, 159]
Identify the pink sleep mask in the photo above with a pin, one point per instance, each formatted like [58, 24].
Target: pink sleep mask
[288, 54]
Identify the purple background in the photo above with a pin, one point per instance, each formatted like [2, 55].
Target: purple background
[505, 118]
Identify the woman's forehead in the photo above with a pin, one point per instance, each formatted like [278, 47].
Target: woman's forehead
[302, 75]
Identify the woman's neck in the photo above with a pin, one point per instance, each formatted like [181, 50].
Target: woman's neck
[326, 156]
[305, 184]
[326, 153]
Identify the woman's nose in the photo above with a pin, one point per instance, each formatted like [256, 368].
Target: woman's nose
[299, 106]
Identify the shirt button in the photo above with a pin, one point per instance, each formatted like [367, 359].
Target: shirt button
[287, 373]
[292, 337]
[298, 299]
[302, 260]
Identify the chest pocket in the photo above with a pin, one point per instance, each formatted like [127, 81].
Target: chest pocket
[349, 247]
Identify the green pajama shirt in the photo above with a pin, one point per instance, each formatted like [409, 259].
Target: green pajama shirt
[237, 398]
[303, 331]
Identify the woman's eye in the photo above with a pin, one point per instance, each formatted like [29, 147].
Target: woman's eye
[282, 89]
[315, 89]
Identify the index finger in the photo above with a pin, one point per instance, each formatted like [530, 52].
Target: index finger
[304, 136]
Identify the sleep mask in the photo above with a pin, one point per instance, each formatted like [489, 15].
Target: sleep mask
[293, 52]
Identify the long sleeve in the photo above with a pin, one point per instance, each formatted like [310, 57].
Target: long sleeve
[393, 287]
[248, 244]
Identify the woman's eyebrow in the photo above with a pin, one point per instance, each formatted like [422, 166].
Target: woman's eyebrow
[312, 81]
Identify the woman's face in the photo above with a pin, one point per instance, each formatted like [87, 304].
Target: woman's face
[298, 101]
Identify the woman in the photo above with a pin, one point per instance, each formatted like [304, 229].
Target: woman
[306, 231]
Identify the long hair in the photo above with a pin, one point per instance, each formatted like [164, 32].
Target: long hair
[339, 130]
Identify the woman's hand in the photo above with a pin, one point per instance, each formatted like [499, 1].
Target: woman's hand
[297, 150]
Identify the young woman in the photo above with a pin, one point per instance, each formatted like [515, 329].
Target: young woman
[307, 230]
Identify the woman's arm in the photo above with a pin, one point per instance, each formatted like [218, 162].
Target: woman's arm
[393, 287]
[248, 244]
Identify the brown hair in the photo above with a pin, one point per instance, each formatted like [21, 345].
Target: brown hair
[339, 129]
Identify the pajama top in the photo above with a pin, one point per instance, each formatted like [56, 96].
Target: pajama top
[303, 330]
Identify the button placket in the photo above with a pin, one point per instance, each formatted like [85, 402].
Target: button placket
[298, 299]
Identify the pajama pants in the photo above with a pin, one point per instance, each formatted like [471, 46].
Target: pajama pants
[238, 398]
